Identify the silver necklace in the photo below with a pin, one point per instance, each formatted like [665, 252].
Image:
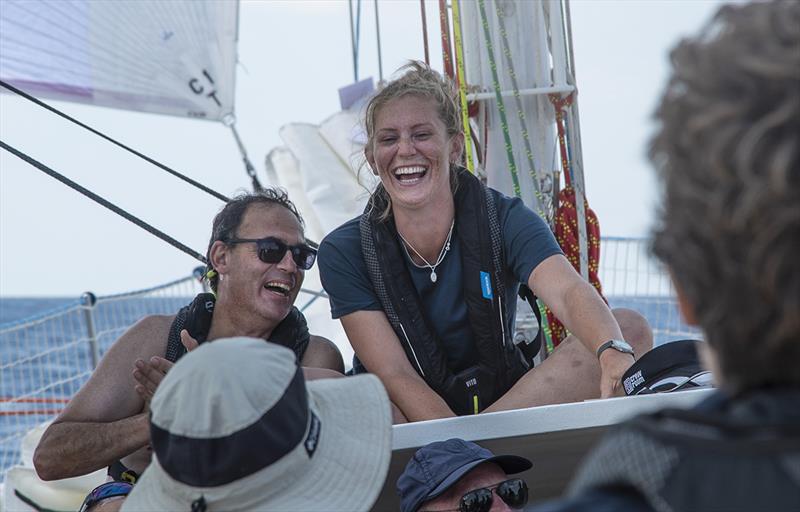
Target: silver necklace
[442, 253]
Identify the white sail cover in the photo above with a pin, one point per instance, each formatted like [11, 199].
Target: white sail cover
[164, 56]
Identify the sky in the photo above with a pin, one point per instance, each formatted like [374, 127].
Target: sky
[294, 56]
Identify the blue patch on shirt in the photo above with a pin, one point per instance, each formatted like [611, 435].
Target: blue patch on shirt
[486, 285]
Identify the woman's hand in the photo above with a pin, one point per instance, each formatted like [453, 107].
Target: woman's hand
[613, 365]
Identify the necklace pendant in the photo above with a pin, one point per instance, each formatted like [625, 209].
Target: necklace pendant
[433, 276]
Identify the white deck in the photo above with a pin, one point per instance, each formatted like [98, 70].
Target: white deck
[554, 437]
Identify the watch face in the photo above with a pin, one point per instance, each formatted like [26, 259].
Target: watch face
[622, 346]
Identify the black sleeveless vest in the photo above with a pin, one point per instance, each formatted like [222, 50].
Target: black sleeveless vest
[500, 362]
[712, 459]
[195, 317]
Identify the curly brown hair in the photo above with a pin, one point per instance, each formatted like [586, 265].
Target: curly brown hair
[727, 152]
[416, 79]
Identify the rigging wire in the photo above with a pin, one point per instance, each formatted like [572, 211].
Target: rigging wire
[447, 53]
[424, 32]
[462, 86]
[378, 32]
[355, 35]
[248, 166]
[115, 142]
[96, 198]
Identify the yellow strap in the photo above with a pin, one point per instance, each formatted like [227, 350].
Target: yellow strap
[462, 86]
[475, 404]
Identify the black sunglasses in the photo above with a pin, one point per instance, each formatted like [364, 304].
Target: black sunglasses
[272, 250]
[513, 492]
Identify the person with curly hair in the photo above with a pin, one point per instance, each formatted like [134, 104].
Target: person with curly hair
[727, 153]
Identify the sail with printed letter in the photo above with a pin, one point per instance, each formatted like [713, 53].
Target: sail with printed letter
[174, 57]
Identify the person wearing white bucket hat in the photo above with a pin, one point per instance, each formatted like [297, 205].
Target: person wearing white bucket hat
[234, 426]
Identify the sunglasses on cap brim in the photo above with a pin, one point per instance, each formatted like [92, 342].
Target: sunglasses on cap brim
[272, 250]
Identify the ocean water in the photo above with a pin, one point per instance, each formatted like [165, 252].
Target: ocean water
[46, 350]
[13, 309]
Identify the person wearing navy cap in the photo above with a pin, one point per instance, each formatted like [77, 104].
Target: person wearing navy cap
[460, 475]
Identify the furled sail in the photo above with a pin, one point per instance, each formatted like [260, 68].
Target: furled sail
[173, 57]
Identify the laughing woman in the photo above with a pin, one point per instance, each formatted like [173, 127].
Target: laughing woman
[425, 281]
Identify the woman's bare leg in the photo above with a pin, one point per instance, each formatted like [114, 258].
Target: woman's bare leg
[571, 373]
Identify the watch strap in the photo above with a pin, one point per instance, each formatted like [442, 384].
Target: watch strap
[618, 345]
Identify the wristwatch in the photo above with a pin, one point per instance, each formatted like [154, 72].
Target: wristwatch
[619, 345]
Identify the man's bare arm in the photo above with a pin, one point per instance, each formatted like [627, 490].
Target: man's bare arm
[323, 353]
[105, 420]
[75, 448]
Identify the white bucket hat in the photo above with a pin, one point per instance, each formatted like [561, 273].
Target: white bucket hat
[235, 427]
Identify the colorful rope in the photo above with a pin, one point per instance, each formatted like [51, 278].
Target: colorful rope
[512, 166]
[521, 114]
[462, 86]
[444, 24]
[566, 221]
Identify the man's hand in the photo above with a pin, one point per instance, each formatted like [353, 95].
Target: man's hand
[613, 365]
[149, 374]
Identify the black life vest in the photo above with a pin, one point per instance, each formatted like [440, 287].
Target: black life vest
[196, 317]
[500, 363]
[712, 459]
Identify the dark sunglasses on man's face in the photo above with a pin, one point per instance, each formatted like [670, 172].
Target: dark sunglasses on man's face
[272, 250]
[513, 492]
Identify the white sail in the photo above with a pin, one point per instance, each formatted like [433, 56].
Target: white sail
[173, 57]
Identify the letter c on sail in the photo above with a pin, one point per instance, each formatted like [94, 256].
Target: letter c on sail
[194, 84]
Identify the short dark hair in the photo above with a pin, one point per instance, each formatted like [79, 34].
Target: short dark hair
[728, 155]
[228, 220]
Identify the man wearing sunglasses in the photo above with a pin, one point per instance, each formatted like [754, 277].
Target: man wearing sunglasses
[460, 476]
[257, 258]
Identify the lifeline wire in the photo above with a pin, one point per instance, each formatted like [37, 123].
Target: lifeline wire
[114, 208]
[106, 137]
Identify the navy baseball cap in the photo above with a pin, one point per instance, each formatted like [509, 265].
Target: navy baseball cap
[437, 466]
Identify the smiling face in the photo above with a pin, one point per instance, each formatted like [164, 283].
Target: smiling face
[264, 290]
[411, 152]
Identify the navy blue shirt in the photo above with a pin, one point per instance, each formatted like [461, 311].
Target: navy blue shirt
[527, 241]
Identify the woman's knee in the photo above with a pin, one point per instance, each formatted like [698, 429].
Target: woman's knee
[635, 329]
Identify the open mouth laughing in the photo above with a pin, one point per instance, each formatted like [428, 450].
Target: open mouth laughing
[410, 175]
[278, 287]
